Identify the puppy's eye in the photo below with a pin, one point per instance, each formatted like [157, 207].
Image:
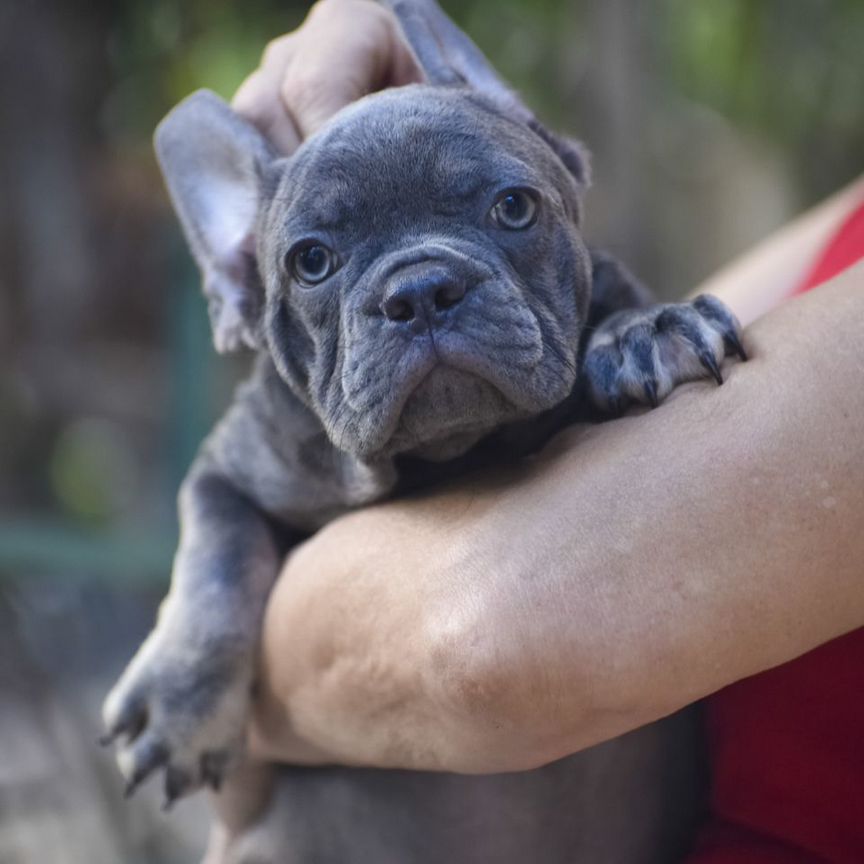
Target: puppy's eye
[311, 263]
[515, 209]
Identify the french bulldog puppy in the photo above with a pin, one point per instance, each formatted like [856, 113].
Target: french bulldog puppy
[417, 288]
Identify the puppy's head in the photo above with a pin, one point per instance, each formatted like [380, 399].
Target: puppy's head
[415, 269]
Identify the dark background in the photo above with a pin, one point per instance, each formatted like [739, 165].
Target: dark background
[711, 124]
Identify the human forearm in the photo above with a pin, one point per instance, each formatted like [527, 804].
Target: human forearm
[769, 273]
[637, 566]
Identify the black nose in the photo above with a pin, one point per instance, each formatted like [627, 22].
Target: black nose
[422, 295]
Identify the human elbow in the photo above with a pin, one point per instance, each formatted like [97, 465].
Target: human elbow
[497, 717]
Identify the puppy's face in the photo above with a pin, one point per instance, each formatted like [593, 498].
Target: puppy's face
[425, 279]
[415, 269]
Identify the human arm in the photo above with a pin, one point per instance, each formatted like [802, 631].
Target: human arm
[635, 567]
[756, 282]
[378, 660]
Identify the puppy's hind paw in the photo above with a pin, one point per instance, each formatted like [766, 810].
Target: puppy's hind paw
[641, 355]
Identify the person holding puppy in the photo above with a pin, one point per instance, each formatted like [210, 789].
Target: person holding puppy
[563, 616]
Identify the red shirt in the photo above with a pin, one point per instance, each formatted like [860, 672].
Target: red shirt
[786, 747]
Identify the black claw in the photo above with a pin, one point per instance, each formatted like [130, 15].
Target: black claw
[131, 785]
[168, 802]
[130, 724]
[715, 311]
[213, 769]
[679, 319]
[177, 783]
[156, 756]
[650, 388]
[706, 358]
[733, 343]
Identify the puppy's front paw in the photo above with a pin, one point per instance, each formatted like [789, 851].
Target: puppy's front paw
[641, 355]
[179, 709]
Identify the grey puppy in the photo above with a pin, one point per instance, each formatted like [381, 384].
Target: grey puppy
[417, 287]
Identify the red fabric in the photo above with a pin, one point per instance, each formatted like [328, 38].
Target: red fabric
[787, 746]
[843, 251]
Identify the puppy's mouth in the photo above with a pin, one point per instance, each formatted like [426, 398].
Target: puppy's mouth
[448, 411]
[437, 396]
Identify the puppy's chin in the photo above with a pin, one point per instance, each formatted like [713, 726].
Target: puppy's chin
[448, 413]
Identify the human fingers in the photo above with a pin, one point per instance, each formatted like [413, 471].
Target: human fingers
[344, 50]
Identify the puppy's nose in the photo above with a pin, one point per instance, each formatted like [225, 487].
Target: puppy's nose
[422, 295]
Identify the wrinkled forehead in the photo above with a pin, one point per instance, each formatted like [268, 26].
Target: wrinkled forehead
[412, 143]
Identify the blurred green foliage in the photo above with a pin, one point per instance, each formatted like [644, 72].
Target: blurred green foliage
[792, 72]
[160, 51]
[90, 471]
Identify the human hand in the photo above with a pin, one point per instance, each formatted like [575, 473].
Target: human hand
[344, 50]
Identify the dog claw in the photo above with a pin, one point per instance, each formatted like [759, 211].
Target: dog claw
[128, 723]
[177, 783]
[734, 343]
[131, 786]
[724, 321]
[151, 758]
[706, 358]
[213, 769]
[650, 388]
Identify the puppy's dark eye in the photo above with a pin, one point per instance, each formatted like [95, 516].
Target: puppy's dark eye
[515, 209]
[311, 263]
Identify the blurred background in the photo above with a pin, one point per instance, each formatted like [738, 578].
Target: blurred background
[711, 123]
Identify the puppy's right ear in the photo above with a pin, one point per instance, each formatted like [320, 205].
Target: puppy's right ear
[448, 58]
[215, 165]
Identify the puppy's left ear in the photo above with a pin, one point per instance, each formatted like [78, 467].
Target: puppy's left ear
[448, 58]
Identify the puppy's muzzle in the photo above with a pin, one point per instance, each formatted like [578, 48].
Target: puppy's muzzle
[422, 296]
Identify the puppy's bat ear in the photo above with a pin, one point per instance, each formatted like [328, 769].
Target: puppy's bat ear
[448, 58]
[215, 166]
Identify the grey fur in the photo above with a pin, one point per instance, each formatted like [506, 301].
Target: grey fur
[440, 331]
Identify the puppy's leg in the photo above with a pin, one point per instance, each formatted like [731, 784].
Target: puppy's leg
[181, 704]
[613, 288]
[641, 355]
